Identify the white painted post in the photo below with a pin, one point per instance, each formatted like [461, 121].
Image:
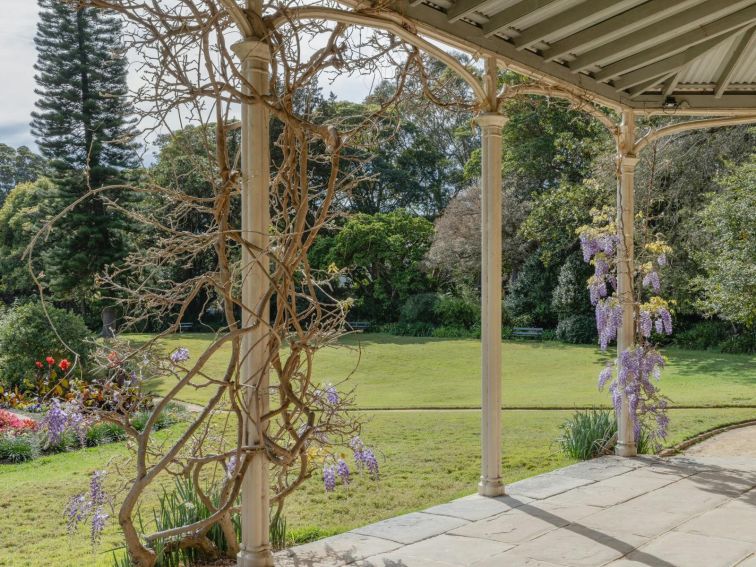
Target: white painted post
[255, 157]
[490, 478]
[625, 217]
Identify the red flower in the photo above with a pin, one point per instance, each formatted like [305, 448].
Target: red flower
[38, 364]
[64, 364]
[50, 360]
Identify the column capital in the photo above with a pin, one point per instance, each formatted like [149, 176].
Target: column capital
[491, 120]
[252, 49]
[627, 163]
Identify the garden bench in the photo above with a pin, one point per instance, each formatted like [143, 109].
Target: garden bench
[185, 327]
[358, 325]
[527, 332]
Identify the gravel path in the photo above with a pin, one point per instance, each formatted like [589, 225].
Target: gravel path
[739, 442]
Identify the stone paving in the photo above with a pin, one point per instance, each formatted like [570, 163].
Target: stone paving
[675, 512]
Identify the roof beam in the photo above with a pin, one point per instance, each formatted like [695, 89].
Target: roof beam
[672, 81]
[464, 8]
[564, 20]
[504, 19]
[643, 87]
[702, 13]
[626, 21]
[668, 65]
[736, 56]
[698, 35]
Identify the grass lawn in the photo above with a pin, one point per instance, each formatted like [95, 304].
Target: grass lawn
[408, 372]
[426, 457]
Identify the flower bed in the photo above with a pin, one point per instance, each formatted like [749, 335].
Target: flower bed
[13, 424]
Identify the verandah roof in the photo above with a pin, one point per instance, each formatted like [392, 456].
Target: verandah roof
[689, 56]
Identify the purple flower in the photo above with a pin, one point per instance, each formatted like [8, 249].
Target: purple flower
[645, 323]
[329, 478]
[662, 260]
[651, 279]
[231, 466]
[370, 462]
[332, 395]
[89, 506]
[98, 525]
[181, 354]
[605, 376]
[55, 422]
[659, 326]
[666, 320]
[342, 469]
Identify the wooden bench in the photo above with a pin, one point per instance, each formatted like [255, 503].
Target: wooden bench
[358, 325]
[527, 332]
[183, 327]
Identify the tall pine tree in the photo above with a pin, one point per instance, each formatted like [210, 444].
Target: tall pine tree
[83, 125]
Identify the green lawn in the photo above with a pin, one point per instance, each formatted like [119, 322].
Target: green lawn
[408, 372]
[427, 457]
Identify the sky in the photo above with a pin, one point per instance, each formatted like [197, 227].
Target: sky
[18, 21]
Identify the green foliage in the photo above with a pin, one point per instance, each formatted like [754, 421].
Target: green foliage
[27, 336]
[528, 300]
[577, 329]
[18, 166]
[21, 217]
[103, 433]
[18, 449]
[728, 248]
[744, 343]
[408, 329]
[703, 335]
[420, 308]
[455, 333]
[454, 311]
[588, 434]
[384, 252]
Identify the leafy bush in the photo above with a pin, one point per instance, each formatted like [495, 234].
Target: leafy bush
[549, 335]
[104, 433]
[704, 335]
[18, 448]
[26, 337]
[420, 308]
[577, 329]
[588, 434]
[408, 329]
[453, 333]
[740, 344]
[453, 311]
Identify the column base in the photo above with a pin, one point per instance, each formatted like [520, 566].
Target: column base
[255, 558]
[491, 487]
[626, 450]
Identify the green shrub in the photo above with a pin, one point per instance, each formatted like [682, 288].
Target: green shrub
[18, 449]
[453, 333]
[172, 414]
[453, 311]
[740, 344]
[26, 336]
[408, 329]
[703, 335]
[420, 308]
[507, 333]
[103, 433]
[587, 434]
[577, 329]
[68, 440]
[549, 335]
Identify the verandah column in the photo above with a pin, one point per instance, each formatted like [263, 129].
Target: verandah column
[625, 217]
[490, 191]
[255, 160]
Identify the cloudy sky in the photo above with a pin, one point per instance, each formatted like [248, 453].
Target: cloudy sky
[18, 20]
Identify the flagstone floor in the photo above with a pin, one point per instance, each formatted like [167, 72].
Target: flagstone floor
[691, 511]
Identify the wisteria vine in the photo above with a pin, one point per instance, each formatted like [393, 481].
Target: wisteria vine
[636, 370]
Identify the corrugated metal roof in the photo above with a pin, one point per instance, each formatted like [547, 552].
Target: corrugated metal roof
[623, 46]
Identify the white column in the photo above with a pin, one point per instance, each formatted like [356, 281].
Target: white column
[625, 216]
[490, 192]
[255, 157]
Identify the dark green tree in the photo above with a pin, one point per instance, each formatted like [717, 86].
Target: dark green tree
[83, 126]
[18, 166]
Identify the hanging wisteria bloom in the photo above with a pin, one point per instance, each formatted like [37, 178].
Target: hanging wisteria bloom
[329, 478]
[55, 422]
[342, 469]
[89, 506]
[179, 355]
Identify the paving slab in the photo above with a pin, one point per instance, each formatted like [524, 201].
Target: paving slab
[635, 519]
[734, 520]
[748, 561]
[599, 469]
[476, 507]
[579, 546]
[446, 550]
[411, 528]
[545, 485]
[341, 549]
[676, 549]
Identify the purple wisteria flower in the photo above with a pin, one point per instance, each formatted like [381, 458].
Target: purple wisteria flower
[651, 280]
[329, 478]
[231, 466]
[89, 506]
[605, 376]
[55, 422]
[179, 355]
[666, 320]
[646, 323]
[662, 260]
[342, 469]
[370, 462]
[332, 395]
